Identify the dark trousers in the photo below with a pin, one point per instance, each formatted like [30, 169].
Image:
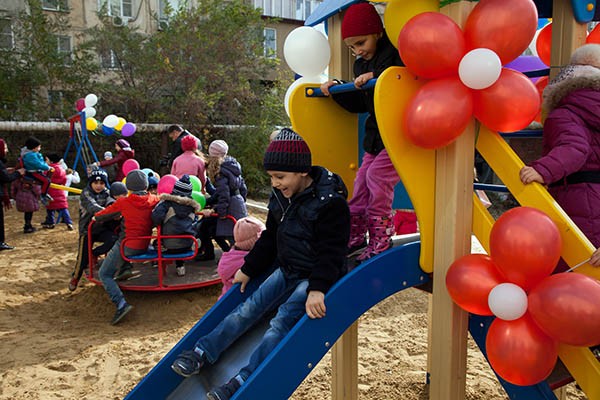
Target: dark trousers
[207, 232]
[106, 237]
[28, 216]
[2, 237]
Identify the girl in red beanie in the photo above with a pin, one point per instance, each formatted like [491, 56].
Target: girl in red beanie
[371, 204]
[192, 161]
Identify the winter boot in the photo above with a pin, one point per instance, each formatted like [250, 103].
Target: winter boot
[381, 230]
[358, 230]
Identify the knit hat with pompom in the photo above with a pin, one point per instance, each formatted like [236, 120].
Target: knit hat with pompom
[246, 232]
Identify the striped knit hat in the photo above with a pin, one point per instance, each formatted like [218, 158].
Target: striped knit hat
[183, 187]
[287, 152]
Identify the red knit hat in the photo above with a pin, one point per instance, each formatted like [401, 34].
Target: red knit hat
[361, 19]
[189, 143]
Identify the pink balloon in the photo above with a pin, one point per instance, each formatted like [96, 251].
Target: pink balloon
[129, 165]
[80, 104]
[166, 184]
[128, 129]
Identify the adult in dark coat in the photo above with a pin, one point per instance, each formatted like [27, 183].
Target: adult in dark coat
[5, 178]
[176, 133]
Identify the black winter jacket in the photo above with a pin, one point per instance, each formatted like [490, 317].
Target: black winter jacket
[361, 101]
[307, 235]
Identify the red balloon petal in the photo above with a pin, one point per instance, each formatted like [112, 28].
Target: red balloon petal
[567, 308]
[431, 45]
[594, 36]
[543, 44]
[469, 281]
[508, 105]
[438, 113]
[519, 351]
[504, 26]
[525, 244]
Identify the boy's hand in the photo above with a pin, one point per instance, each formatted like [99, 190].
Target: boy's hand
[242, 278]
[362, 79]
[315, 304]
[529, 175]
[325, 87]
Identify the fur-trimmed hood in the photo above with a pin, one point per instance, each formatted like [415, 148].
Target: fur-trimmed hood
[184, 201]
[570, 79]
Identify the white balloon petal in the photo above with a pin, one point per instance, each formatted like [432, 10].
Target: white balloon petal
[310, 79]
[479, 68]
[90, 112]
[90, 100]
[306, 51]
[110, 121]
[508, 301]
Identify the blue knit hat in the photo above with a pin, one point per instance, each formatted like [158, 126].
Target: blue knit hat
[98, 175]
[183, 187]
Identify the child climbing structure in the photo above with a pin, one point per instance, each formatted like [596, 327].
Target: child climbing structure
[440, 185]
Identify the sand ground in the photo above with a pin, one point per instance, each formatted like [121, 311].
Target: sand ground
[59, 345]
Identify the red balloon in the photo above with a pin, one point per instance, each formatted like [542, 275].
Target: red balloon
[438, 113]
[525, 245]
[431, 45]
[508, 105]
[166, 184]
[80, 104]
[469, 281]
[540, 85]
[594, 36]
[519, 351]
[566, 307]
[504, 26]
[129, 165]
[543, 44]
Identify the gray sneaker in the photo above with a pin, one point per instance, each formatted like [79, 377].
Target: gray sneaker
[121, 312]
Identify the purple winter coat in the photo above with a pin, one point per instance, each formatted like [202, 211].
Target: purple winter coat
[571, 143]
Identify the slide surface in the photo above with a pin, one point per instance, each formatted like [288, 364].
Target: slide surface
[302, 348]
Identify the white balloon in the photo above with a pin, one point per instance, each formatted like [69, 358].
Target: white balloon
[90, 112]
[479, 68]
[306, 51]
[507, 301]
[110, 121]
[317, 80]
[90, 100]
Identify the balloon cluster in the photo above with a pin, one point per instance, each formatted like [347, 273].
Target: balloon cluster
[307, 53]
[534, 310]
[464, 69]
[110, 124]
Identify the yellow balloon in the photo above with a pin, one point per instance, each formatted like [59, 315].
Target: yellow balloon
[120, 123]
[398, 12]
[91, 124]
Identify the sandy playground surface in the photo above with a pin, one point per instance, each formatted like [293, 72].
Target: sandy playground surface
[59, 345]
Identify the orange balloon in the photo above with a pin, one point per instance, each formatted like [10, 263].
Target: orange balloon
[438, 113]
[431, 45]
[508, 105]
[519, 351]
[543, 44]
[565, 306]
[594, 36]
[540, 85]
[469, 281]
[504, 26]
[525, 244]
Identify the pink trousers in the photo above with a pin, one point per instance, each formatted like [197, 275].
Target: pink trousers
[374, 186]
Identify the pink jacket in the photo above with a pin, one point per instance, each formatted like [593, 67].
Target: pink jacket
[189, 163]
[229, 263]
[59, 176]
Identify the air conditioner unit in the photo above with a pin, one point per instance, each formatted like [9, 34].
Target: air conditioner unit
[163, 25]
[119, 21]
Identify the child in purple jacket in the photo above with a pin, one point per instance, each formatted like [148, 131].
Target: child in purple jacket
[570, 165]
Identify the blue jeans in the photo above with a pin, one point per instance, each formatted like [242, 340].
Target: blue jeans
[63, 216]
[276, 291]
[111, 264]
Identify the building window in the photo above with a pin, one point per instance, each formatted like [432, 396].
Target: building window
[55, 102]
[55, 5]
[6, 34]
[166, 8]
[290, 9]
[108, 60]
[270, 42]
[64, 48]
[117, 8]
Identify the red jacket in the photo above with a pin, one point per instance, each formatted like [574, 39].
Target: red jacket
[136, 210]
[59, 176]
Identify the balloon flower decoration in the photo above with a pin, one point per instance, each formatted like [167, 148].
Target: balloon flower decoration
[534, 310]
[464, 69]
[110, 124]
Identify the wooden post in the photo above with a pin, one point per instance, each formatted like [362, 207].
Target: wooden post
[344, 355]
[453, 220]
[567, 35]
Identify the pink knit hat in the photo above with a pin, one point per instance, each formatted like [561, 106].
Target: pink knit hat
[361, 19]
[246, 232]
[218, 148]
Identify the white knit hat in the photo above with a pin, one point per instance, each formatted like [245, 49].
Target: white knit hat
[218, 148]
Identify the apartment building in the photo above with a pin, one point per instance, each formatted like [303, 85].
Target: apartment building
[150, 16]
